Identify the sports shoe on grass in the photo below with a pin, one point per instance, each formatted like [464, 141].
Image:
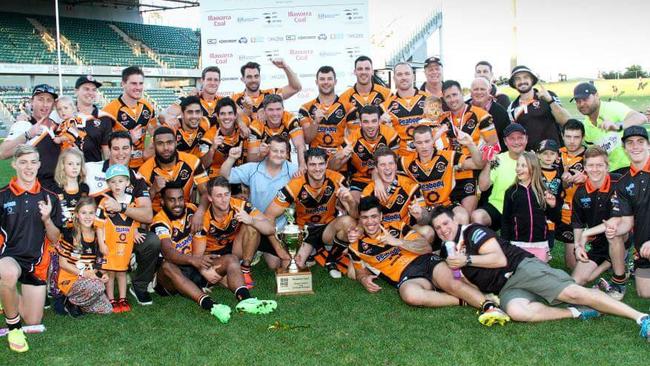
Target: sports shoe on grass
[492, 316]
[248, 280]
[221, 312]
[17, 341]
[254, 306]
[603, 285]
[142, 297]
[333, 271]
[616, 291]
[587, 313]
[645, 328]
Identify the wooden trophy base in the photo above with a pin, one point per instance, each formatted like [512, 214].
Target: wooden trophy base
[299, 283]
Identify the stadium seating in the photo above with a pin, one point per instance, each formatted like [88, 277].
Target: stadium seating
[162, 97]
[20, 43]
[178, 47]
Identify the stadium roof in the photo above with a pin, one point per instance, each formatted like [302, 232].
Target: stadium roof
[144, 6]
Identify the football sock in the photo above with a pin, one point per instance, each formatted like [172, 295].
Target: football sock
[206, 302]
[14, 323]
[487, 305]
[619, 280]
[242, 293]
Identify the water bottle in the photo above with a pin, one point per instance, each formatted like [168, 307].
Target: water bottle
[451, 250]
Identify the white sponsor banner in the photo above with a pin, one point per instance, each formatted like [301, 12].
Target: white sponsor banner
[307, 34]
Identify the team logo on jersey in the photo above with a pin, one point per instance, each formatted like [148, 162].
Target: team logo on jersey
[360, 148]
[339, 113]
[146, 114]
[376, 101]
[421, 104]
[469, 188]
[124, 117]
[184, 174]
[470, 124]
[175, 233]
[303, 195]
[579, 167]
[400, 199]
[441, 166]
[414, 168]
[394, 232]
[329, 190]
[364, 246]
[96, 122]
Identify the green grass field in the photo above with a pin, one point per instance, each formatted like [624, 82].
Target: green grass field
[340, 324]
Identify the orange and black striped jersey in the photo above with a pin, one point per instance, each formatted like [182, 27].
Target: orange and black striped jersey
[405, 114]
[353, 100]
[570, 163]
[80, 256]
[221, 153]
[314, 206]
[331, 130]
[474, 121]
[257, 101]
[188, 172]
[209, 110]
[386, 261]
[127, 118]
[362, 160]
[436, 177]
[179, 230]
[74, 132]
[261, 131]
[119, 233]
[401, 193]
[190, 141]
[221, 232]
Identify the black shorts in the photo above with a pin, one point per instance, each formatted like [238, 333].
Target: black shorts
[421, 267]
[356, 185]
[315, 235]
[495, 216]
[223, 251]
[266, 246]
[463, 188]
[599, 251]
[27, 276]
[193, 275]
[564, 233]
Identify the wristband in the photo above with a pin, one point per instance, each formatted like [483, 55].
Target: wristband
[123, 208]
[468, 261]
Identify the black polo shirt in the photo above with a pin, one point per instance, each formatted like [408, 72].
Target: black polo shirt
[98, 130]
[22, 234]
[537, 119]
[592, 205]
[633, 199]
[488, 280]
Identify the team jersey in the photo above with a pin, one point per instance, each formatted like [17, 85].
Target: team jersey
[475, 122]
[592, 205]
[179, 230]
[222, 151]
[537, 118]
[80, 256]
[119, 233]
[353, 100]
[73, 132]
[96, 181]
[362, 160]
[22, 233]
[436, 177]
[552, 178]
[209, 110]
[126, 119]
[386, 261]
[314, 206]
[402, 191]
[98, 130]
[191, 141]
[261, 131]
[188, 172]
[405, 114]
[221, 232]
[570, 163]
[331, 130]
[68, 201]
[257, 101]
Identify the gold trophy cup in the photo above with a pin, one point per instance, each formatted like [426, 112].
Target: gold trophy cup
[292, 280]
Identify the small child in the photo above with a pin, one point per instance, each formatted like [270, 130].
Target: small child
[71, 129]
[117, 233]
[527, 206]
[548, 154]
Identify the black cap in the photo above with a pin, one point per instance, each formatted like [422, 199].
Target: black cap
[431, 61]
[548, 144]
[44, 88]
[86, 79]
[634, 131]
[583, 90]
[517, 70]
[512, 128]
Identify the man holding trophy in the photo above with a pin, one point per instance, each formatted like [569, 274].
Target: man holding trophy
[318, 196]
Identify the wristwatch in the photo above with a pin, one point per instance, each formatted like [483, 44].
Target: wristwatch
[468, 261]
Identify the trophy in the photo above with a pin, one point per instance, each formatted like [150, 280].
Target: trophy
[292, 280]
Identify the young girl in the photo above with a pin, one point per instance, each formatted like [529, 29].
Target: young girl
[78, 251]
[69, 176]
[526, 208]
[117, 233]
[71, 131]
